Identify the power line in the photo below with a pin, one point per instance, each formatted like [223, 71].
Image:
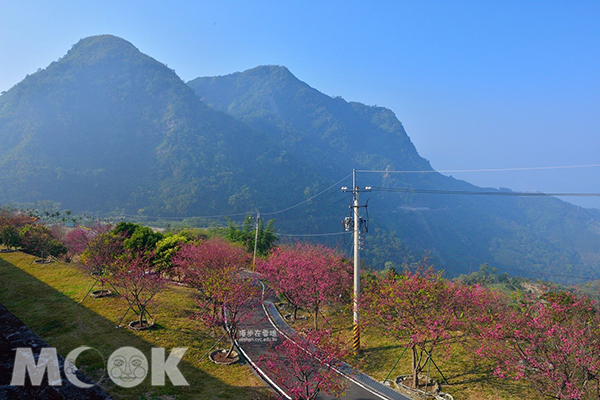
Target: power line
[527, 274]
[484, 193]
[310, 198]
[450, 171]
[182, 217]
[307, 207]
[236, 214]
[329, 205]
[312, 234]
[313, 212]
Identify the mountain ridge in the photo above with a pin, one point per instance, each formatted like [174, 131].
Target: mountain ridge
[455, 230]
[108, 128]
[268, 85]
[99, 111]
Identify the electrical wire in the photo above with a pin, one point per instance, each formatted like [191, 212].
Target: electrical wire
[308, 206]
[181, 217]
[533, 273]
[482, 193]
[287, 220]
[328, 205]
[241, 213]
[315, 234]
[454, 171]
[309, 199]
[312, 234]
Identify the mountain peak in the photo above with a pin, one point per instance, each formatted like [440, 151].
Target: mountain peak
[276, 75]
[94, 48]
[270, 70]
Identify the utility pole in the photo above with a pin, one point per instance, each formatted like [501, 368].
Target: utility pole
[357, 224]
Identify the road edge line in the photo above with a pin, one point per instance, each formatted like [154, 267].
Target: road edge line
[362, 385]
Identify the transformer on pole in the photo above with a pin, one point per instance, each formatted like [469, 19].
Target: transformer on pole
[356, 224]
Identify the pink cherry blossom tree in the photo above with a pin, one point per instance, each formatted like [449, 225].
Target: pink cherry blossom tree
[226, 294]
[100, 255]
[421, 308]
[552, 342]
[39, 241]
[59, 232]
[137, 283]
[209, 265]
[77, 240]
[237, 297]
[308, 276]
[303, 365]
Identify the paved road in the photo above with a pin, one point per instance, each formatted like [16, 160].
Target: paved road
[266, 328]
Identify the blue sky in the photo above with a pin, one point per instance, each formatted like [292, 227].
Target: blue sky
[477, 84]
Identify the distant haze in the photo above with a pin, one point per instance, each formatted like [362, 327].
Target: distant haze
[476, 84]
[110, 129]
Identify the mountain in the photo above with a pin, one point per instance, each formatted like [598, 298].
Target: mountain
[108, 128]
[542, 237]
[307, 122]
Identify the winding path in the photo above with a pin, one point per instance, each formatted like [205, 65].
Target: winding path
[266, 327]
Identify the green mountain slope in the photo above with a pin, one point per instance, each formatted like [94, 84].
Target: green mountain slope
[109, 128]
[319, 127]
[541, 236]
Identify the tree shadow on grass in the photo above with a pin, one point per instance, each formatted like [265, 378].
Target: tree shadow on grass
[66, 324]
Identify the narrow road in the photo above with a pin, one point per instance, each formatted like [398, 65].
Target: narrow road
[267, 328]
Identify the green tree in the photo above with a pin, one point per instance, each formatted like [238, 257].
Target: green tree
[247, 233]
[10, 236]
[10, 224]
[137, 237]
[125, 228]
[38, 240]
[165, 249]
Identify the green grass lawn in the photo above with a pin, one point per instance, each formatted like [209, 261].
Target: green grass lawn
[469, 378]
[46, 298]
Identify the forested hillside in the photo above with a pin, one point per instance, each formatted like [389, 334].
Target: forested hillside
[540, 235]
[110, 130]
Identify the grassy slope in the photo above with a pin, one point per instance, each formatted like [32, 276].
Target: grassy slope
[46, 299]
[469, 378]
